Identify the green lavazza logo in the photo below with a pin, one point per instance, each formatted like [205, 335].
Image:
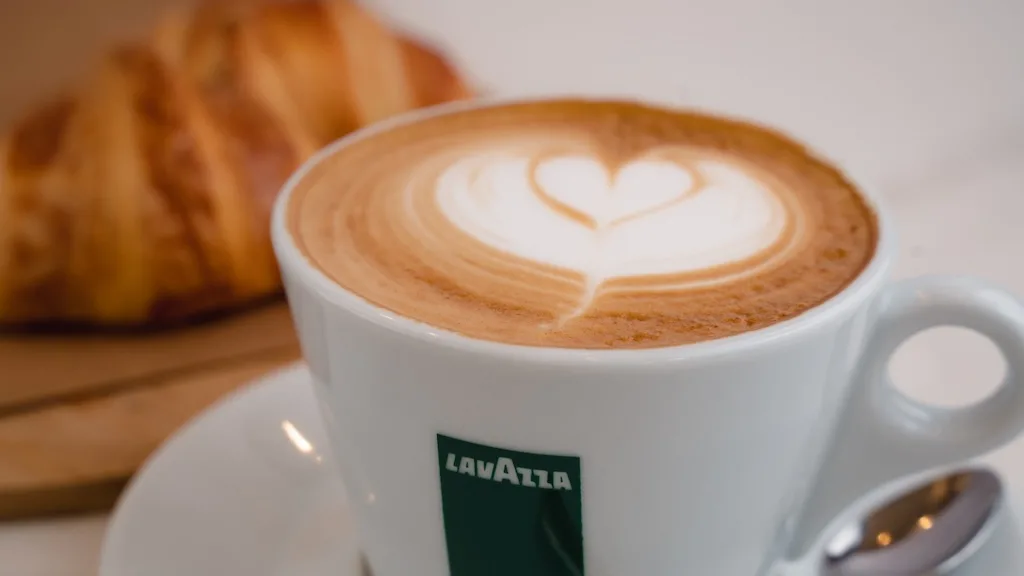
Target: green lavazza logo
[510, 513]
[505, 470]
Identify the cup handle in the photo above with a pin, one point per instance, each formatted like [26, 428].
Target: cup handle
[882, 434]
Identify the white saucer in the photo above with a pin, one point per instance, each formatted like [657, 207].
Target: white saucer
[244, 490]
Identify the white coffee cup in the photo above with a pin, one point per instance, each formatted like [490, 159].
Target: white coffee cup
[711, 459]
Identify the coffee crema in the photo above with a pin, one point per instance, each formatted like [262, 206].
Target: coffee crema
[583, 224]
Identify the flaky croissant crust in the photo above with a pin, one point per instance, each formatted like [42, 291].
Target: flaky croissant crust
[143, 195]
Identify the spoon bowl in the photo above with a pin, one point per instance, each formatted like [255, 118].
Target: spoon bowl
[930, 528]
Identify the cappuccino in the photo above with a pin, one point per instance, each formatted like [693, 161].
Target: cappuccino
[583, 224]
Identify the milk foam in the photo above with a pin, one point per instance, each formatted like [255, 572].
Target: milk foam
[651, 216]
[583, 224]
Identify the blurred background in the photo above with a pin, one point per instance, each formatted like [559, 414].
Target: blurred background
[921, 99]
[897, 87]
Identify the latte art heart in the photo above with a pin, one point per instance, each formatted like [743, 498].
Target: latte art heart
[647, 218]
[582, 224]
[590, 192]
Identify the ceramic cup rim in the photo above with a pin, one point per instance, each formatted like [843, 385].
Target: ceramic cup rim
[841, 305]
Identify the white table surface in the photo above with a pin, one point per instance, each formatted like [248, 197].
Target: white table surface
[66, 547]
[932, 112]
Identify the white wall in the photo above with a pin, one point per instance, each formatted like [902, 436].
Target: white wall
[892, 87]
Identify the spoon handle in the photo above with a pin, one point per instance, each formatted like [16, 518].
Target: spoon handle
[882, 434]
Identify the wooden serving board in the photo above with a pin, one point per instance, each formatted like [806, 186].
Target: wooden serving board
[80, 414]
[38, 369]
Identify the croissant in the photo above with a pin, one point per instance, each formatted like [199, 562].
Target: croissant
[143, 195]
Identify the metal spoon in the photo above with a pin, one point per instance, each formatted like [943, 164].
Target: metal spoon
[928, 530]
